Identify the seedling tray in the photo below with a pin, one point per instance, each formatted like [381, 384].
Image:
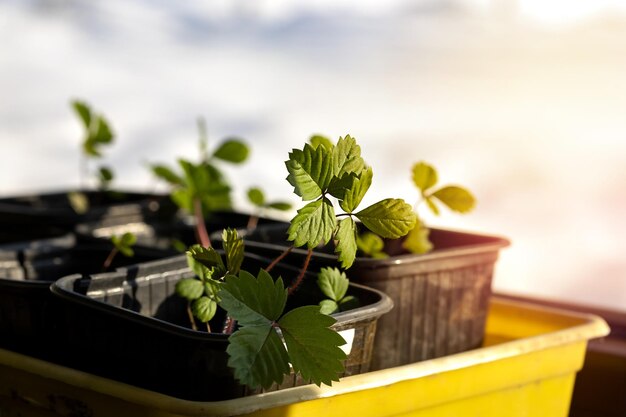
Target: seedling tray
[526, 367]
[27, 308]
[132, 327]
[106, 206]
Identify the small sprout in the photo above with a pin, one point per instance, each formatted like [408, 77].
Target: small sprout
[105, 177]
[124, 244]
[210, 270]
[202, 188]
[97, 134]
[121, 244]
[257, 198]
[456, 198]
[334, 285]
[372, 245]
[97, 130]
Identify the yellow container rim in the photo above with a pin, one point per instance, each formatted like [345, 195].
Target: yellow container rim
[538, 328]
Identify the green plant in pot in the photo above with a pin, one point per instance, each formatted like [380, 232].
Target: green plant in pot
[257, 304]
[201, 188]
[439, 280]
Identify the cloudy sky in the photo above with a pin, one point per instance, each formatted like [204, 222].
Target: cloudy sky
[522, 101]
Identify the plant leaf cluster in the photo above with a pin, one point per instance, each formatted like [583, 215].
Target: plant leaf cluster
[372, 245]
[454, 197]
[203, 181]
[97, 130]
[269, 340]
[210, 270]
[334, 284]
[124, 243]
[97, 134]
[321, 171]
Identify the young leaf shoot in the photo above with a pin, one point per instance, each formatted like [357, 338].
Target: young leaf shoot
[456, 198]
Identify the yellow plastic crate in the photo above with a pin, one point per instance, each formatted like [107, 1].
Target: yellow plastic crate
[526, 368]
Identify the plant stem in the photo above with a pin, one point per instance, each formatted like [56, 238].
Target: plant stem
[190, 314]
[201, 233]
[208, 327]
[109, 259]
[230, 325]
[296, 284]
[252, 222]
[343, 214]
[280, 258]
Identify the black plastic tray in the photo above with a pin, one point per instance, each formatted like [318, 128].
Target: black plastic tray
[27, 308]
[131, 327]
[112, 206]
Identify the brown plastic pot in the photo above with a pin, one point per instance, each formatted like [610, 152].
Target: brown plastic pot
[440, 298]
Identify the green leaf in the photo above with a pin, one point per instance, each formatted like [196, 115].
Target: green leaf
[390, 218]
[355, 194]
[166, 174]
[313, 347]
[431, 205]
[371, 245]
[349, 302]
[233, 247]
[313, 224]
[189, 288]
[232, 150]
[256, 196]
[280, 205]
[346, 244]
[253, 301]
[333, 283]
[339, 187]
[456, 198]
[201, 260]
[78, 201]
[328, 306]
[204, 308]
[309, 171]
[183, 198]
[346, 157]
[83, 111]
[424, 176]
[417, 240]
[179, 245]
[106, 174]
[319, 140]
[258, 356]
[98, 134]
[124, 242]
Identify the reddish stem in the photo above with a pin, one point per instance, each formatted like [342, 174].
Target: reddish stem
[230, 325]
[109, 259]
[280, 258]
[190, 314]
[296, 284]
[252, 222]
[201, 233]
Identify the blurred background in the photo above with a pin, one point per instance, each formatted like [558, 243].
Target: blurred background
[522, 101]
